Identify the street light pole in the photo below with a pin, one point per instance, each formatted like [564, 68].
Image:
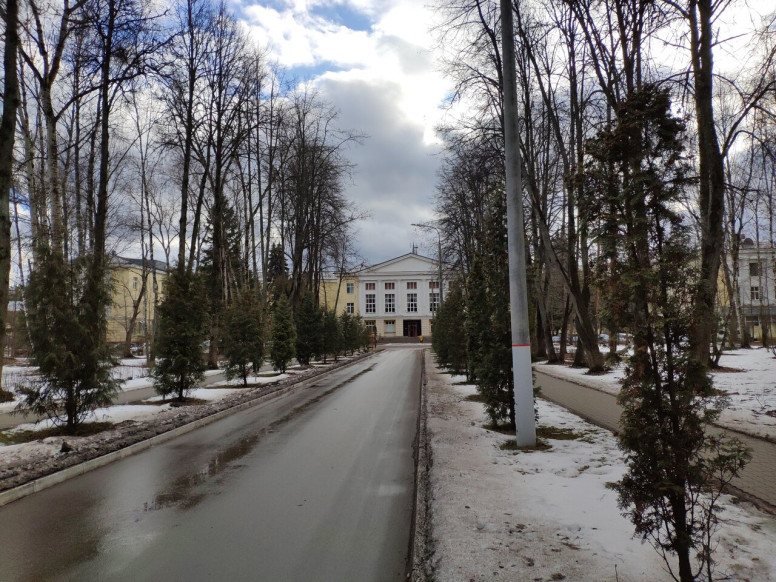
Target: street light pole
[518, 294]
[439, 249]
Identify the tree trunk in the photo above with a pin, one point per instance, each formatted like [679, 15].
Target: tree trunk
[11, 100]
[711, 184]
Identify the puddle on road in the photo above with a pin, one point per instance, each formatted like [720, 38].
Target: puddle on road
[181, 492]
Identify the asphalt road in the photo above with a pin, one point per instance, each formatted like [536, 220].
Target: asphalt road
[313, 485]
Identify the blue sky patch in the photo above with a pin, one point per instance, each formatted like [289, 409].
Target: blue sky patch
[343, 15]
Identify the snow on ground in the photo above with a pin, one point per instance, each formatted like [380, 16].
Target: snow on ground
[548, 515]
[113, 414]
[263, 379]
[209, 394]
[751, 390]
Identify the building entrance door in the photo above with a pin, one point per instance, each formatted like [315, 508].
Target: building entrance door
[411, 327]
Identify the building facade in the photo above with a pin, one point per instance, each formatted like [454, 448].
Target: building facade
[340, 294]
[398, 298]
[132, 306]
[756, 288]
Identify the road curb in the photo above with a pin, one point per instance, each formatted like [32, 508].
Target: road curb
[11, 495]
[421, 518]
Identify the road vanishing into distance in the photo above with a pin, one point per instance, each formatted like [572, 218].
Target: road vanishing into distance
[316, 484]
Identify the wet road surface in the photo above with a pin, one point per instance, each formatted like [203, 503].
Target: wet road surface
[276, 493]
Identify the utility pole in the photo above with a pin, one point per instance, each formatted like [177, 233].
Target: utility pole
[518, 295]
[439, 249]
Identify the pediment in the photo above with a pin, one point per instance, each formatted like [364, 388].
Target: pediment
[405, 264]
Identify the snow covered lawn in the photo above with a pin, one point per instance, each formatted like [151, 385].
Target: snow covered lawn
[751, 389]
[547, 515]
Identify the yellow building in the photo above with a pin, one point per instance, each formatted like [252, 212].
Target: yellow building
[340, 294]
[133, 299]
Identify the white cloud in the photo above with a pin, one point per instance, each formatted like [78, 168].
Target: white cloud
[385, 83]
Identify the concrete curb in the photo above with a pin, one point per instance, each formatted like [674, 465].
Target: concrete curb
[47, 481]
[421, 519]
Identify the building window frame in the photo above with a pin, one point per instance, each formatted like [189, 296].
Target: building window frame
[390, 285]
[754, 293]
[412, 302]
[412, 285]
[390, 326]
[350, 288]
[371, 286]
[754, 268]
[433, 301]
[371, 303]
[390, 302]
[350, 307]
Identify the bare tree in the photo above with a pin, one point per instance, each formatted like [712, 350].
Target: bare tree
[11, 101]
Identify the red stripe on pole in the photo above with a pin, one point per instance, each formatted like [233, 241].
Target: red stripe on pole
[521, 345]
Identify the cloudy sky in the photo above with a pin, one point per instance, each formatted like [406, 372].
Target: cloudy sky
[371, 59]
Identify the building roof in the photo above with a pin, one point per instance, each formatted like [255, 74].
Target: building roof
[126, 261]
[409, 263]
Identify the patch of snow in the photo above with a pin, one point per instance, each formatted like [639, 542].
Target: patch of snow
[751, 392]
[252, 380]
[545, 514]
[209, 394]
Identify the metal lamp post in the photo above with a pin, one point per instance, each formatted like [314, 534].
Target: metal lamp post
[518, 294]
[439, 261]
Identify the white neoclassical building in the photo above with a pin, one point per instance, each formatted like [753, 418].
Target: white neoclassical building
[399, 297]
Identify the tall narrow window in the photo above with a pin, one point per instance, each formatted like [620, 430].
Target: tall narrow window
[350, 307]
[433, 301]
[412, 302]
[754, 269]
[754, 293]
[390, 303]
[370, 303]
[349, 288]
[134, 283]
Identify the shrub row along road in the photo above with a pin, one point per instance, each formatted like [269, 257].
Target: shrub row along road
[757, 478]
[316, 484]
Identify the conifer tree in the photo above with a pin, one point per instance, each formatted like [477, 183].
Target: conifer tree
[447, 340]
[283, 335]
[75, 366]
[675, 468]
[243, 336]
[489, 320]
[182, 328]
[348, 327]
[309, 330]
[332, 335]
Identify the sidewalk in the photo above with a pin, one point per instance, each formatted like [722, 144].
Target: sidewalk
[548, 514]
[758, 478]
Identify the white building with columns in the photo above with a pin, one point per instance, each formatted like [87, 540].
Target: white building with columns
[399, 297]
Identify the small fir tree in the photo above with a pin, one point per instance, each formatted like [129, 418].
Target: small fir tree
[309, 330]
[488, 310]
[74, 362]
[243, 336]
[447, 340]
[332, 335]
[676, 469]
[283, 335]
[182, 329]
